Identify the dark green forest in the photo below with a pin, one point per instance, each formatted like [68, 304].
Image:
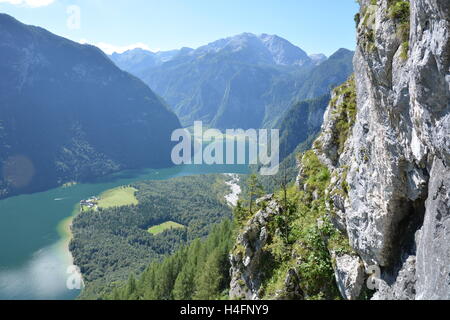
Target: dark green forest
[199, 271]
[109, 244]
[301, 123]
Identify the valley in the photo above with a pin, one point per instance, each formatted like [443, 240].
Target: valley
[243, 168]
[115, 224]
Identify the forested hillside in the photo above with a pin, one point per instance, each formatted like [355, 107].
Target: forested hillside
[301, 122]
[298, 129]
[109, 244]
[199, 271]
[329, 74]
[67, 113]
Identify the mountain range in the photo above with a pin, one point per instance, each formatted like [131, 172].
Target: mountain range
[67, 113]
[245, 81]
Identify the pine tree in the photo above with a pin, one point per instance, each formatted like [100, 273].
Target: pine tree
[209, 279]
[116, 295]
[131, 289]
[185, 285]
[198, 271]
[255, 191]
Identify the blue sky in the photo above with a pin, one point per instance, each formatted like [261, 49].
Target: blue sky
[314, 25]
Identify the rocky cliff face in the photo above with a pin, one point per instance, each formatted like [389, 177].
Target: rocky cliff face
[396, 160]
[247, 258]
[399, 196]
[250, 260]
[389, 157]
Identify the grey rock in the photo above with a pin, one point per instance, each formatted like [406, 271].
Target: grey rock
[394, 165]
[266, 198]
[401, 183]
[350, 276]
[404, 285]
[291, 289]
[433, 252]
[247, 257]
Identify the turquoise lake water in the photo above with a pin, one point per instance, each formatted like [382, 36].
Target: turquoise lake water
[34, 257]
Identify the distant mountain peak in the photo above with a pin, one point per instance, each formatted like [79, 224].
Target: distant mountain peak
[6, 19]
[341, 53]
[283, 51]
[269, 49]
[137, 52]
[264, 49]
[318, 58]
[243, 81]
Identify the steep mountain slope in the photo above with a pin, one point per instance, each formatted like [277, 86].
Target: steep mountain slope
[299, 127]
[330, 73]
[246, 81]
[288, 249]
[373, 194]
[67, 113]
[301, 121]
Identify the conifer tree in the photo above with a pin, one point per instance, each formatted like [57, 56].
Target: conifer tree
[209, 279]
[185, 284]
[255, 191]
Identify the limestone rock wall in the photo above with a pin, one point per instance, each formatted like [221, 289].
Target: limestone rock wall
[397, 158]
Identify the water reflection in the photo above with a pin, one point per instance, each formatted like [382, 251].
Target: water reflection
[43, 277]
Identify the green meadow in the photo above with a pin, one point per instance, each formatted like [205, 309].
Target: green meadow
[155, 230]
[118, 197]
